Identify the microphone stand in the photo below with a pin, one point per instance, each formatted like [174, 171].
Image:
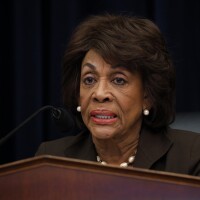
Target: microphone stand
[56, 114]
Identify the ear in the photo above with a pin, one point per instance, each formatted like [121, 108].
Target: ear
[78, 100]
[147, 103]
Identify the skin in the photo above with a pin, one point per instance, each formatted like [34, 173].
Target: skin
[112, 100]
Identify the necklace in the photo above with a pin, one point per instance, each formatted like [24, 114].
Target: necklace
[124, 164]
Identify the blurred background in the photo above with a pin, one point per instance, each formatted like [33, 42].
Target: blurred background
[33, 38]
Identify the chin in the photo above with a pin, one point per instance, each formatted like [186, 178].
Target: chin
[103, 133]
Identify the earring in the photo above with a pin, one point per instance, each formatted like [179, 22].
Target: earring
[78, 108]
[146, 112]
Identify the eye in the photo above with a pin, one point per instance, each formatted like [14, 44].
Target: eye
[89, 80]
[119, 81]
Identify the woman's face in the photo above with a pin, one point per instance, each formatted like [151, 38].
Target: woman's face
[111, 98]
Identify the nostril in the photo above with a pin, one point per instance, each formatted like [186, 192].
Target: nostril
[106, 99]
[102, 100]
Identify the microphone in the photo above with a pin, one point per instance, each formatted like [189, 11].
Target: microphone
[62, 118]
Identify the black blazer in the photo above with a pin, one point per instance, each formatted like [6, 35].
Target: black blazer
[174, 151]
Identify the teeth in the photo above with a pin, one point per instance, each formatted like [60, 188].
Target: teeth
[104, 117]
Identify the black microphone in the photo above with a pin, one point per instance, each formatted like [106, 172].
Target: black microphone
[62, 118]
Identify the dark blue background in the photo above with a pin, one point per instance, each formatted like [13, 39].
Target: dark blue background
[33, 37]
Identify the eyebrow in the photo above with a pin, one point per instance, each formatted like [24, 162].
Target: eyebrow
[91, 66]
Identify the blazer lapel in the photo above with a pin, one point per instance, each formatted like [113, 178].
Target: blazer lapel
[82, 148]
[151, 147]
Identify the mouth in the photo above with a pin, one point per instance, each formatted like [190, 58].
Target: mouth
[103, 117]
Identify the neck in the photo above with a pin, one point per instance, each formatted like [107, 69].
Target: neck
[116, 151]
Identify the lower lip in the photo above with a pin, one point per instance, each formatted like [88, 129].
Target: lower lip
[103, 121]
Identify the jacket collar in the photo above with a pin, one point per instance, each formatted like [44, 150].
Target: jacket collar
[151, 147]
[82, 147]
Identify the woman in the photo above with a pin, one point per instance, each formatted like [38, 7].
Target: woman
[118, 81]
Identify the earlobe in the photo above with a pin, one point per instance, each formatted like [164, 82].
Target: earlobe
[147, 106]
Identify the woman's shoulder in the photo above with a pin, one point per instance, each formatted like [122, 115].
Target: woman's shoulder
[58, 146]
[183, 137]
[176, 133]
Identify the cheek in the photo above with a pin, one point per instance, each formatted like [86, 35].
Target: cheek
[84, 103]
[84, 98]
[132, 102]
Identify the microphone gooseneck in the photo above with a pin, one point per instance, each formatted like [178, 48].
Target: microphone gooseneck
[61, 117]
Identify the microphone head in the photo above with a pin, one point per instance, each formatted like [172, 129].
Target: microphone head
[63, 119]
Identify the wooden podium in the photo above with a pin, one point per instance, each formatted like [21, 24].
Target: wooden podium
[50, 177]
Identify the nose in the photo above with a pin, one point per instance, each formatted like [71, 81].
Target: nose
[102, 92]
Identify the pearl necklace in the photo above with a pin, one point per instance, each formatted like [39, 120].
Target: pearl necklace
[124, 164]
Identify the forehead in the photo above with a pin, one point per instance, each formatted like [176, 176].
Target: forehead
[94, 60]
